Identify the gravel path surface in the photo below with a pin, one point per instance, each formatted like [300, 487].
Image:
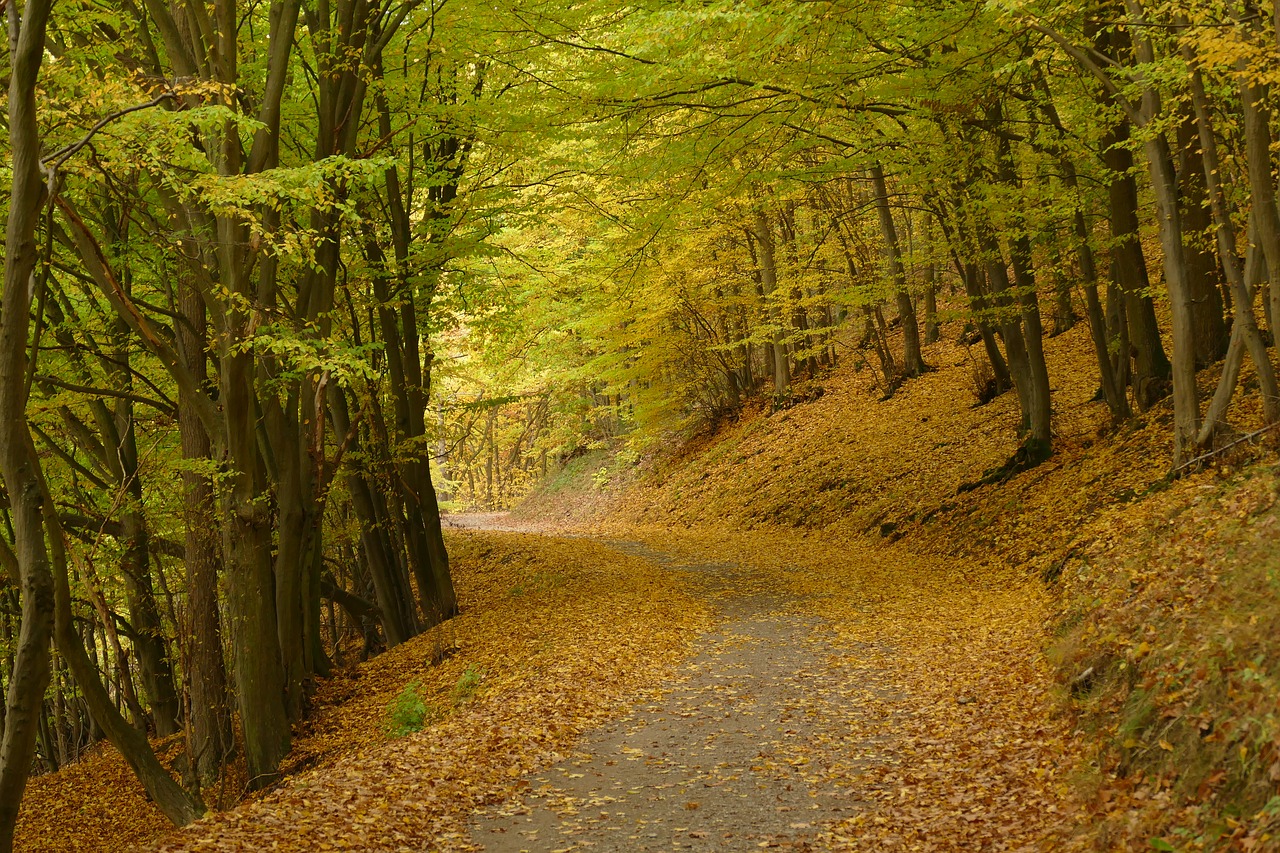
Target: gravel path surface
[730, 759]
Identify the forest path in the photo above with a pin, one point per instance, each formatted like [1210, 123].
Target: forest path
[723, 762]
[786, 731]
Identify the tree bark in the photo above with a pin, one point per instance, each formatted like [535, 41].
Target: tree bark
[1203, 275]
[1039, 442]
[912, 358]
[767, 263]
[1164, 181]
[1262, 191]
[18, 462]
[177, 805]
[210, 740]
[1150, 370]
[1244, 316]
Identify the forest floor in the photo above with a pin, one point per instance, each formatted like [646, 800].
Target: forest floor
[807, 609]
[701, 690]
[842, 702]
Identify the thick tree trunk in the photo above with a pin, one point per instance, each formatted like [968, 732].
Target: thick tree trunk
[248, 541]
[1150, 370]
[209, 734]
[19, 464]
[1203, 275]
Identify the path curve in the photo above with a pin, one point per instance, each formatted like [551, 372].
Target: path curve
[724, 762]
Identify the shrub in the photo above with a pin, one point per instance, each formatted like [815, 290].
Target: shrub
[468, 684]
[409, 712]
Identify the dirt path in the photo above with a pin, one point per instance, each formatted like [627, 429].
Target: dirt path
[725, 762]
[787, 730]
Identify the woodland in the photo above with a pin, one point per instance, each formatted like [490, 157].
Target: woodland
[287, 283]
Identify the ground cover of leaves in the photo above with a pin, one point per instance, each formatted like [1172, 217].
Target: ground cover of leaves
[1170, 640]
[1151, 724]
[565, 633]
[949, 736]
[1163, 595]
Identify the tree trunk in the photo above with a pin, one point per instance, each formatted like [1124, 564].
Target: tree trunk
[18, 462]
[1039, 442]
[1015, 344]
[763, 232]
[1164, 181]
[931, 332]
[1203, 275]
[175, 803]
[247, 545]
[1244, 316]
[1262, 191]
[1150, 370]
[912, 358]
[209, 735]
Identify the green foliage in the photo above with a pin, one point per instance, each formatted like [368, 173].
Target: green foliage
[468, 685]
[409, 712]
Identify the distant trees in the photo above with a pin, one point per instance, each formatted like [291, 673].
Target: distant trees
[1039, 146]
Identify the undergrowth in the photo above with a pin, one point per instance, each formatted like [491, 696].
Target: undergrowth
[409, 712]
[1176, 623]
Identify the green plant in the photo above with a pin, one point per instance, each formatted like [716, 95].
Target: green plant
[468, 684]
[601, 478]
[409, 712]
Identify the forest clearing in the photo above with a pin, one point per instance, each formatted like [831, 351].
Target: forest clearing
[825, 425]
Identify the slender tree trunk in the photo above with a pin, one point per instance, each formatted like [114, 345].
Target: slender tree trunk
[1015, 343]
[135, 564]
[1164, 181]
[1226, 234]
[912, 358]
[931, 332]
[394, 599]
[763, 232]
[1039, 442]
[1262, 191]
[970, 274]
[177, 805]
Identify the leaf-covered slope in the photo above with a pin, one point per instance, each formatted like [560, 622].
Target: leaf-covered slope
[549, 667]
[1167, 598]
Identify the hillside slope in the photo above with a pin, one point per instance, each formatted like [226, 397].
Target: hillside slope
[1166, 590]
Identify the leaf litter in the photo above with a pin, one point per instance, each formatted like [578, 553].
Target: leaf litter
[937, 715]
